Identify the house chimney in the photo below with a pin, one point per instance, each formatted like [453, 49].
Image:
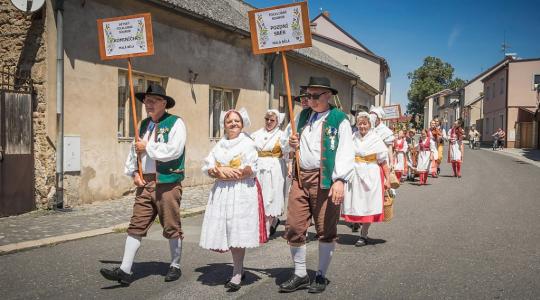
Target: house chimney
[313, 26]
[326, 14]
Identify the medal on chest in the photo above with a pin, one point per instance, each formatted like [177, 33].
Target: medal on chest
[331, 132]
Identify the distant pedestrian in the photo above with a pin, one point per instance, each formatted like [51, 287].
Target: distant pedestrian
[455, 147]
[400, 159]
[426, 150]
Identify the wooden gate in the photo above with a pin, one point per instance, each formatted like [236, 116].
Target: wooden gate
[16, 140]
[525, 135]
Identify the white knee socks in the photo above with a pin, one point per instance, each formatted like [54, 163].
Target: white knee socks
[326, 250]
[299, 258]
[132, 245]
[175, 246]
[238, 255]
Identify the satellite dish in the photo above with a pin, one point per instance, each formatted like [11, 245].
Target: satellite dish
[28, 6]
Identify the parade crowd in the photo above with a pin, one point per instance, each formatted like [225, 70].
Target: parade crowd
[314, 174]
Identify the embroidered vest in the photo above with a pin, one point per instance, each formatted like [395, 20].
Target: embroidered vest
[329, 141]
[170, 171]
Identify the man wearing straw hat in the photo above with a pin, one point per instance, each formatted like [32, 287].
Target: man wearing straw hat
[159, 190]
[324, 139]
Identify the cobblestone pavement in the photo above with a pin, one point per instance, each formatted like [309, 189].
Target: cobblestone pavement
[43, 224]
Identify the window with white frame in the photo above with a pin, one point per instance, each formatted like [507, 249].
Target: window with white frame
[141, 82]
[536, 80]
[220, 100]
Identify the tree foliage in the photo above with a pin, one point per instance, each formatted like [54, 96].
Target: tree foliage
[433, 76]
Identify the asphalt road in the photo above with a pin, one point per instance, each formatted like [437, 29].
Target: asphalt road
[477, 237]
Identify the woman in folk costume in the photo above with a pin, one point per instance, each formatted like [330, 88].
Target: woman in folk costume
[440, 144]
[364, 193]
[271, 167]
[400, 152]
[436, 136]
[455, 147]
[234, 217]
[426, 151]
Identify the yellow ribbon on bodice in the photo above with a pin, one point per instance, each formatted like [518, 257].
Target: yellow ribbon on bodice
[234, 163]
[276, 151]
[371, 158]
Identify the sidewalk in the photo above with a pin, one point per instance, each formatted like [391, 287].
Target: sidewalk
[41, 228]
[531, 156]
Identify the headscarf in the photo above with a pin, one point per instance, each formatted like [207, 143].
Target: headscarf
[243, 115]
[280, 116]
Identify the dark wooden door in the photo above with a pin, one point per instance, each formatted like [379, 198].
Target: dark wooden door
[17, 159]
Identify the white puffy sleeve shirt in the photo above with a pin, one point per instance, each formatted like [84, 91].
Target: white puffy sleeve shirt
[157, 150]
[310, 148]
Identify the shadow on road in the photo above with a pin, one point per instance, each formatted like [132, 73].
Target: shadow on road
[351, 239]
[218, 273]
[140, 270]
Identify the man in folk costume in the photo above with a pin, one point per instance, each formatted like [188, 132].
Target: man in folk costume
[326, 162]
[159, 190]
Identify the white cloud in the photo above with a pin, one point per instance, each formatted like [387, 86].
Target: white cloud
[456, 32]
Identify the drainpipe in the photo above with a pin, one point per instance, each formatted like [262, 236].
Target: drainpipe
[352, 92]
[506, 117]
[59, 201]
[271, 81]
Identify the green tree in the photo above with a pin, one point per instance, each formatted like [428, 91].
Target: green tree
[433, 76]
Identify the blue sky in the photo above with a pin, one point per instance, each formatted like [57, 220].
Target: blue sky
[467, 34]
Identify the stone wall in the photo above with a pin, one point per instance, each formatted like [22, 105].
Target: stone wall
[23, 46]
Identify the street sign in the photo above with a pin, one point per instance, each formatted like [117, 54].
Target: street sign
[392, 112]
[280, 28]
[28, 6]
[126, 36]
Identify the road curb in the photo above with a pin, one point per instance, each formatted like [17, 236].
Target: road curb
[16, 247]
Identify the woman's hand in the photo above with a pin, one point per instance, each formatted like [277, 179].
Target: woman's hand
[387, 184]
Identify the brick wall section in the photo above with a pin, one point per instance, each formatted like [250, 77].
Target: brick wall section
[22, 44]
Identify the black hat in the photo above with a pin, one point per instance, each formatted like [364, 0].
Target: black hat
[158, 90]
[320, 82]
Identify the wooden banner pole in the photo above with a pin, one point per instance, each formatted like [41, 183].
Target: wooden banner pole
[134, 112]
[291, 110]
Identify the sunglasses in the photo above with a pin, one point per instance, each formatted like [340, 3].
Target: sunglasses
[314, 96]
[268, 120]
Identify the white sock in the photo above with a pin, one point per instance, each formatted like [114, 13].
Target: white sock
[268, 225]
[132, 245]
[299, 258]
[238, 262]
[326, 250]
[365, 229]
[175, 246]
